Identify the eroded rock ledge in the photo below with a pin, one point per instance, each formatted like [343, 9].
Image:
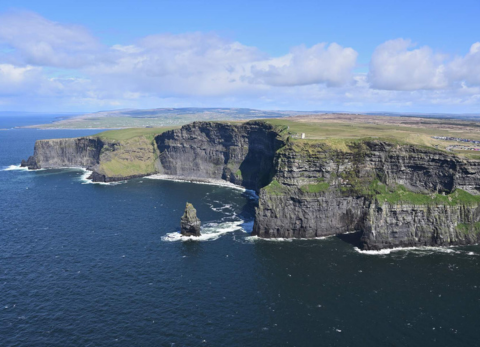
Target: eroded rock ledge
[394, 194]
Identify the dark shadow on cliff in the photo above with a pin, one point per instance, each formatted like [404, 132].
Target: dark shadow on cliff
[258, 166]
[353, 238]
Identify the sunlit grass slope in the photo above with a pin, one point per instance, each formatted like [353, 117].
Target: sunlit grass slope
[126, 134]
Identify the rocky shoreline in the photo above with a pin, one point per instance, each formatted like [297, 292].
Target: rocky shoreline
[397, 195]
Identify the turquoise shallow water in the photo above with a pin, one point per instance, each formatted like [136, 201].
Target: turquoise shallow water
[89, 265]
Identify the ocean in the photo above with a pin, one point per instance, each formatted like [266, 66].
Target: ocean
[86, 264]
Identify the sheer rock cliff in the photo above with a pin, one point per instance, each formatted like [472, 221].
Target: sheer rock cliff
[394, 194]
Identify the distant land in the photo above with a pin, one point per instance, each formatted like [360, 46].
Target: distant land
[167, 117]
[161, 117]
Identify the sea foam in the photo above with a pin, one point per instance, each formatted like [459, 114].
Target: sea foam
[208, 181]
[210, 231]
[282, 239]
[85, 180]
[407, 249]
[15, 168]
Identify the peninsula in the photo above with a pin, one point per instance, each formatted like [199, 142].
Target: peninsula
[394, 179]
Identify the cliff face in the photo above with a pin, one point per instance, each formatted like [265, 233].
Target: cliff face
[302, 200]
[421, 169]
[241, 154]
[319, 191]
[296, 214]
[109, 160]
[395, 194]
[408, 225]
[78, 152]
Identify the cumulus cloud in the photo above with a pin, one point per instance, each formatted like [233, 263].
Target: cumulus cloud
[39, 41]
[331, 65]
[205, 64]
[466, 69]
[182, 64]
[14, 80]
[57, 63]
[193, 63]
[396, 66]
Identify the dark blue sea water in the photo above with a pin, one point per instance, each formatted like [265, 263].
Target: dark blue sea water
[89, 265]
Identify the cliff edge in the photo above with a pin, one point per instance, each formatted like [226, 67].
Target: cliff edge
[394, 193]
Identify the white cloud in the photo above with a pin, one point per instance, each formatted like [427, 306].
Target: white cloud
[49, 63]
[15, 80]
[205, 64]
[38, 41]
[184, 64]
[466, 69]
[394, 66]
[331, 65]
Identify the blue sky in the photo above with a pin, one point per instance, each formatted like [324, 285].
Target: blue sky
[403, 56]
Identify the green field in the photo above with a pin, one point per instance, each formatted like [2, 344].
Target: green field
[126, 134]
[338, 134]
[326, 130]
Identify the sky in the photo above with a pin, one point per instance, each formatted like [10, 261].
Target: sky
[392, 56]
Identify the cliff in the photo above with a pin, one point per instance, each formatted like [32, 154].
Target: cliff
[57, 153]
[241, 154]
[109, 160]
[394, 193]
[407, 225]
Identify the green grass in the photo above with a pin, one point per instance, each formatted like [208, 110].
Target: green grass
[119, 168]
[126, 134]
[402, 195]
[320, 186]
[275, 188]
[466, 228]
[338, 135]
[132, 156]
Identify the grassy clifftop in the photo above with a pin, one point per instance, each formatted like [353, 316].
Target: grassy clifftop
[129, 152]
[338, 130]
[127, 134]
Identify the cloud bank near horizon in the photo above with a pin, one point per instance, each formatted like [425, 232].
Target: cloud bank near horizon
[48, 63]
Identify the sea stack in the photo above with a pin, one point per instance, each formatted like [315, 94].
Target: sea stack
[189, 223]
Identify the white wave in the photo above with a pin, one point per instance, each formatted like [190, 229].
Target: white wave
[282, 239]
[221, 208]
[209, 232]
[84, 178]
[208, 181]
[406, 249]
[15, 168]
[256, 238]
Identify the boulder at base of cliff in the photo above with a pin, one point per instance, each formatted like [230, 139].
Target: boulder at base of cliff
[31, 163]
[190, 224]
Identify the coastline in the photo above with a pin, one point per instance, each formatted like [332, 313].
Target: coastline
[208, 181]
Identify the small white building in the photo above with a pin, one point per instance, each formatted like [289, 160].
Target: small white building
[303, 135]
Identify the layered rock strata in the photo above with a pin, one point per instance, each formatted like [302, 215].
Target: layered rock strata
[395, 194]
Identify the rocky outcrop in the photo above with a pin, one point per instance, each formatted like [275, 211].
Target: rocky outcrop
[189, 223]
